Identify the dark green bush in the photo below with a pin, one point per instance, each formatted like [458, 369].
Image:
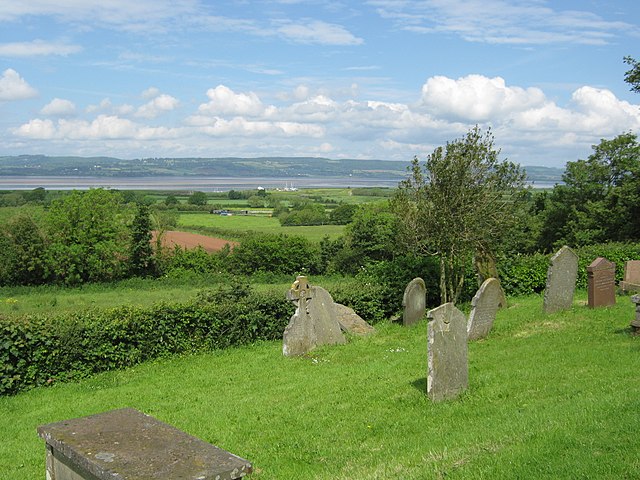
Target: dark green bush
[37, 350]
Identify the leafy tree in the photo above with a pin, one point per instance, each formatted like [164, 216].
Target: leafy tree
[141, 261]
[600, 199]
[304, 214]
[88, 236]
[459, 205]
[37, 195]
[171, 200]
[235, 195]
[343, 214]
[632, 76]
[29, 250]
[197, 198]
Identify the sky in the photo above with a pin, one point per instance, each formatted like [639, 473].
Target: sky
[373, 79]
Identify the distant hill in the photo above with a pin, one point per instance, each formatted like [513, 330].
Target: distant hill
[281, 167]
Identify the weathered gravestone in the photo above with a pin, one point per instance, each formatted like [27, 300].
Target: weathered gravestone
[315, 321]
[561, 281]
[351, 322]
[414, 302]
[126, 444]
[484, 306]
[448, 371]
[635, 323]
[631, 282]
[601, 283]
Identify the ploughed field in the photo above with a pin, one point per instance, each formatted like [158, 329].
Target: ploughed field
[187, 240]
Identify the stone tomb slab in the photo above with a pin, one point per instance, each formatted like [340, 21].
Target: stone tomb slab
[484, 306]
[561, 281]
[448, 370]
[601, 283]
[126, 444]
[414, 302]
[631, 282]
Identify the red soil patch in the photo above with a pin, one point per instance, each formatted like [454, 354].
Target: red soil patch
[192, 240]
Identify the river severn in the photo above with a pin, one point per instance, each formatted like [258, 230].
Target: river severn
[195, 183]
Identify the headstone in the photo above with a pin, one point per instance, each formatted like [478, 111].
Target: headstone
[414, 302]
[127, 444]
[635, 323]
[484, 306]
[351, 322]
[315, 321]
[601, 283]
[561, 281]
[631, 282]
[448, 371]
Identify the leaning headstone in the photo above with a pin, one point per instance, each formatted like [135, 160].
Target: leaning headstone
[314, 322]
[601, 283]
[414, 302]
[631, 282]
[635, 323]
[561, 281]
[448, 371]
[484, 306]
[351, 322]
[322, 311]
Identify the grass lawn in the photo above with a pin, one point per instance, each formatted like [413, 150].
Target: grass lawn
[550, 396]
[225, 226]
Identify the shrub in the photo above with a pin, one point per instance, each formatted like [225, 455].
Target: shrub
[36, 350]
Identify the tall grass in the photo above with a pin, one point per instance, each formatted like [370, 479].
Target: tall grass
[550, 396]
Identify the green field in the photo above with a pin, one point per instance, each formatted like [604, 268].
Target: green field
[226, 226]
[550, 396]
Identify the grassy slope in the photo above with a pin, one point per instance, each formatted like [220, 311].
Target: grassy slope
[550, 397]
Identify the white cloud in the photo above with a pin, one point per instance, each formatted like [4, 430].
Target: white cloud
[59, 107]
[318, 32]
[14, 87]
[502, 21]
[160, 104]
[107, 107]
[104, 127]
[476, 98]
[241, 127]
[224, 101]
[37, 48]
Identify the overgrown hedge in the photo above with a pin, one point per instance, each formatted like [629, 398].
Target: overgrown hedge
[525, 274]
[38, 350]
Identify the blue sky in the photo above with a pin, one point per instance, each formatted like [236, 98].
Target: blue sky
[384, 79]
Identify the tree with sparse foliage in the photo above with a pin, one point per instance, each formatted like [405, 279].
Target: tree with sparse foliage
[632, 76]
[458, 205]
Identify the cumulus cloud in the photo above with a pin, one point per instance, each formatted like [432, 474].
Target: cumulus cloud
[14, 87]
[103, 127]
[37, 48]
[160, 104]
[59, 107]
[224, 101]
[476, 98]
[107, 107]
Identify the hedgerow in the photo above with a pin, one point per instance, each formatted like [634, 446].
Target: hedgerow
[38, 349]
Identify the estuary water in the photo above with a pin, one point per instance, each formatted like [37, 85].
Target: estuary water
[204, 184]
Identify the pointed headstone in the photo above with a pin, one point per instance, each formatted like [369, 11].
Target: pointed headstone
[484, 306]
[561, 281]
[448, 370]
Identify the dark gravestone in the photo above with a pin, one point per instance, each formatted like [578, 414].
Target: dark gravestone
[484, 307]
[631, 282]
[414, 302]
[635, 323]
[601, 283]
[126, 444]
[561, 281]
[448, 371]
